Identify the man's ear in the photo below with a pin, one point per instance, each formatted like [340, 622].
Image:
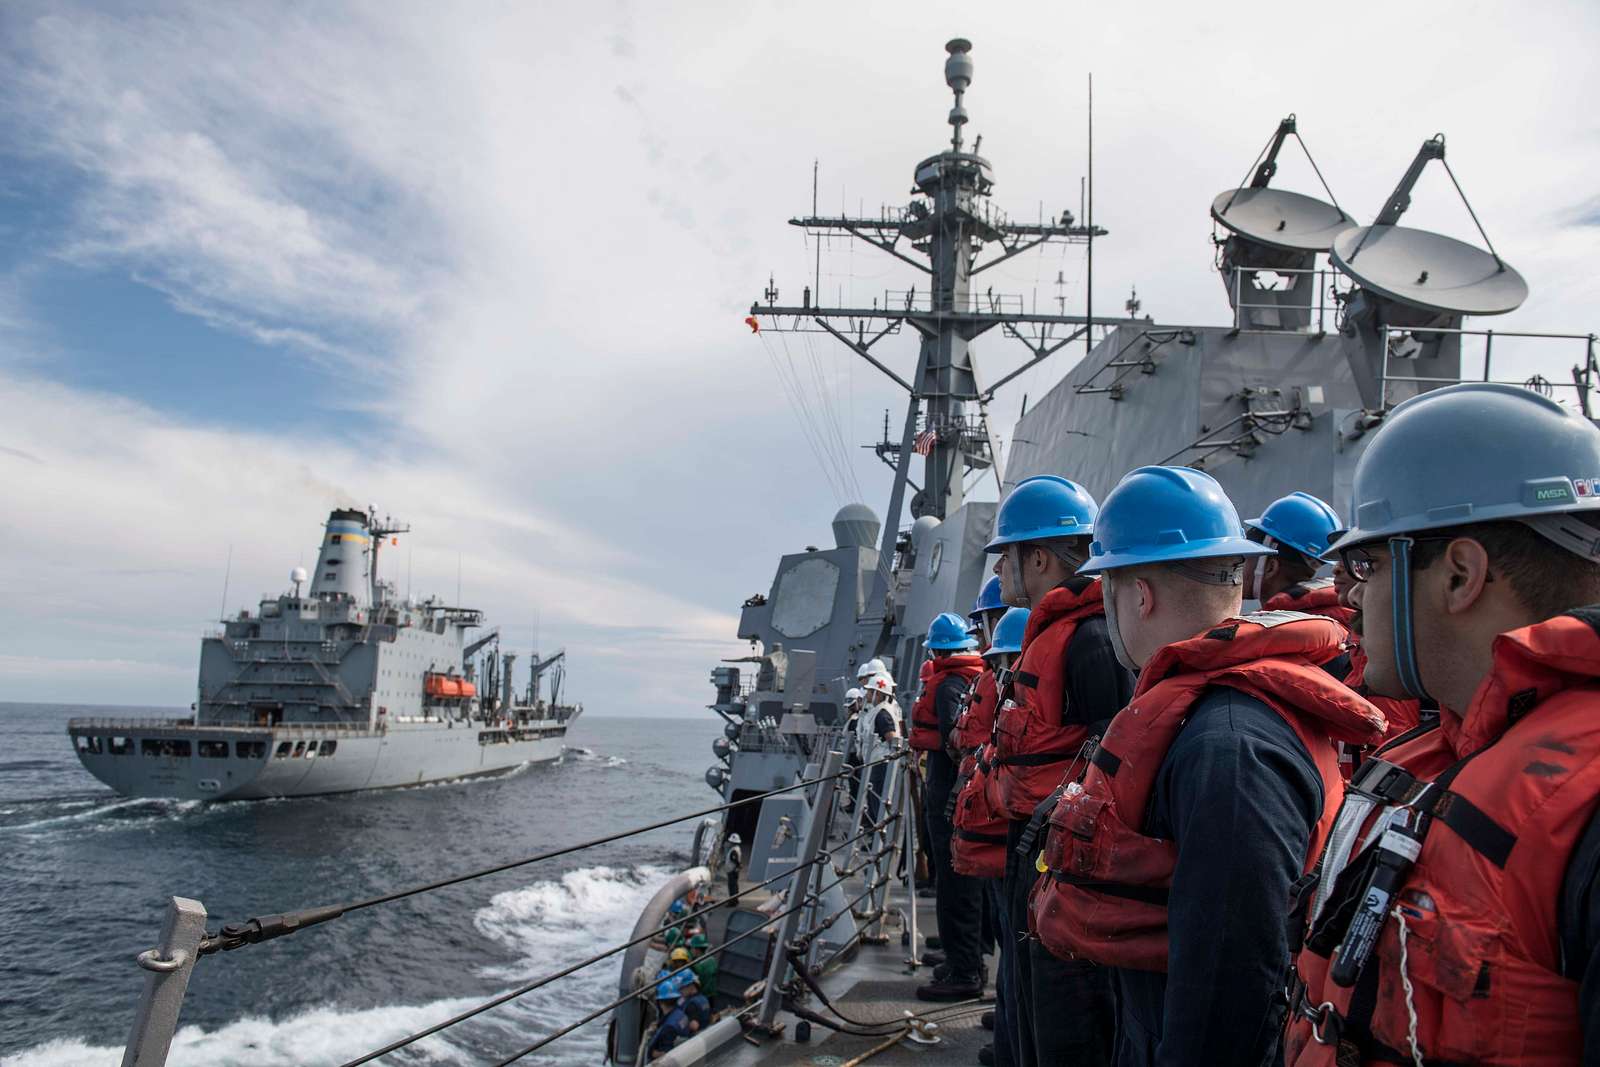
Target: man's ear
[1147, 597]
[1465, 564]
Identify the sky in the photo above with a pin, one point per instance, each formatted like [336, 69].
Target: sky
[484, 267]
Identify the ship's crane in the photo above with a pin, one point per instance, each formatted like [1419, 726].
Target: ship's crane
[555, 667]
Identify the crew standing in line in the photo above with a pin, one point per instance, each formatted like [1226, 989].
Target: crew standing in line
[979, 846]
[1066, 687]
[1467, 931]
[1296, 528]
[1211, 792]
[958, 901]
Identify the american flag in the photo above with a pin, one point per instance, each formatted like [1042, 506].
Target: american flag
[925, 442]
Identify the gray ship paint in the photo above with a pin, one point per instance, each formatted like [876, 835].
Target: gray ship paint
[341, 688]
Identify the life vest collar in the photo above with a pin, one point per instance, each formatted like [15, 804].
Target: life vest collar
[1530, 665]
[1076, 598]
[1266, 635]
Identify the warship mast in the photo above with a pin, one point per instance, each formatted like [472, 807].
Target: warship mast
[942, 233]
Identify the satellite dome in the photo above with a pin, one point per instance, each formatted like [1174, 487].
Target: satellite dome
[298, 576]
[923, 530]
[856, 526]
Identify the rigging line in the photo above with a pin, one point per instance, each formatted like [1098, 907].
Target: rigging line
[813, 426]
[592, 1016]
[538, 983]
[1474, 214]
[791, 392]
[831, 406]
[264, 929]
[1318, 171]
[818, 404]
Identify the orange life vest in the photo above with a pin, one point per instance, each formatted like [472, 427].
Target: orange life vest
[924, 717]
[1314, 597]
[1481, 949]
[1032, 744]
[1105, 898]
[978, 846]
[1401, 714]
[977, 722]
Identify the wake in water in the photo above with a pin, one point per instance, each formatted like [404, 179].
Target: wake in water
[122, 813]
[547, 924]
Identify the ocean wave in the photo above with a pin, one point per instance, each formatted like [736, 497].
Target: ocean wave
[546, 924]
[122, 814]
[588, 755]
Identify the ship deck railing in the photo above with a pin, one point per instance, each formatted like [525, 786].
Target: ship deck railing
[834, 848]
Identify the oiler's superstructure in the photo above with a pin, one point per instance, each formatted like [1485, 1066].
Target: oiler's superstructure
[339, 687]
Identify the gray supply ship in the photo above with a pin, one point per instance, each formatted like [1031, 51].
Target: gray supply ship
[339, 687]
[810, 908]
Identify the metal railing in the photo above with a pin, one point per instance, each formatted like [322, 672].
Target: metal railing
[1582, 372]
[869, 856]
[120, 727]
[1326, 280]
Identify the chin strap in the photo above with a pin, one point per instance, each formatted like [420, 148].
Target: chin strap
[1405, 642]
[1259, 566]
[1108, 600]
[1014, 561]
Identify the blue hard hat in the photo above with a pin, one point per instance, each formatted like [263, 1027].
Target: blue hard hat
[1042, 508]
[1300, 521]
[988, 598]
[1163, 515]
[949, 632]
[1009, 630]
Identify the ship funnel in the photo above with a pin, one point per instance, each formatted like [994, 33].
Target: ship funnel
[856, 526]
[342, 564]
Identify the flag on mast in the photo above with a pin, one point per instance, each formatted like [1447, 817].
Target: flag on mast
[925, 442]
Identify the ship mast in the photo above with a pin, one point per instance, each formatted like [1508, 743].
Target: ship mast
[941, 233]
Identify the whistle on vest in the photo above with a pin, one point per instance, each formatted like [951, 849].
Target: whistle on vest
[1393, 857]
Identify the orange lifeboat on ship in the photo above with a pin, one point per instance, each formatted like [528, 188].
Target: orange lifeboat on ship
[447, 686]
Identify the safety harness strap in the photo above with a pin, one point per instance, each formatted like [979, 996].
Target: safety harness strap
[1145, 894]
[982, 839]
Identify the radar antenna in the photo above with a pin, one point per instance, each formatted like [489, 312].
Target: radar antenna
[1275, 231]
[1419, 282]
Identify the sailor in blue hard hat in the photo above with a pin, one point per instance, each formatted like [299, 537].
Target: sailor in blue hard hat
[1230, 727]
[1066, 684]
[946, 680]
[986, 611]
[1041, 536]
[1475, 546]
[1297, 528]
[1007, 643]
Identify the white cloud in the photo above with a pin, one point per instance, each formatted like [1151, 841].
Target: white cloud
[526, 235]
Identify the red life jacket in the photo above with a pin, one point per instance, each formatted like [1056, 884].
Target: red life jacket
[1481, 951]
[1401, 714]
[1314, 597]
[977, 722]
[1032, 744]
[978, 846]
[924, 717]
[1105, 899]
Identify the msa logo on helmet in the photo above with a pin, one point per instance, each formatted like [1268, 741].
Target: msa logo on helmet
[1552, 493]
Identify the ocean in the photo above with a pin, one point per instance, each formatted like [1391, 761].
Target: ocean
[85, 876]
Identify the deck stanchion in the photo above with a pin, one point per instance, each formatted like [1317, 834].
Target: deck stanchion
[170, 966]
[799, 888]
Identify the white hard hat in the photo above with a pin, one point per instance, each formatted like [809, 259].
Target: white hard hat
[869, 668]
[881, 683]
[854, 696]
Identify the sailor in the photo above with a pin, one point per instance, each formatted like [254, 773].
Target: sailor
[869, 670]
[1458, 912]
[854, 701]
[1210, 793]
[704, 965]
[1066, 686]
[979, 845]
[958, 901]
[1296, 528]
[877, 732]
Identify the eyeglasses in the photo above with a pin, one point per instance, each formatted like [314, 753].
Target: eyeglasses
[1360, 563]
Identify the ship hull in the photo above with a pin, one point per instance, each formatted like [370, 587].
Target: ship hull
[197, 762]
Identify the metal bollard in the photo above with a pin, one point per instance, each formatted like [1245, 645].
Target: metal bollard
[799, 888]
[170, 966]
